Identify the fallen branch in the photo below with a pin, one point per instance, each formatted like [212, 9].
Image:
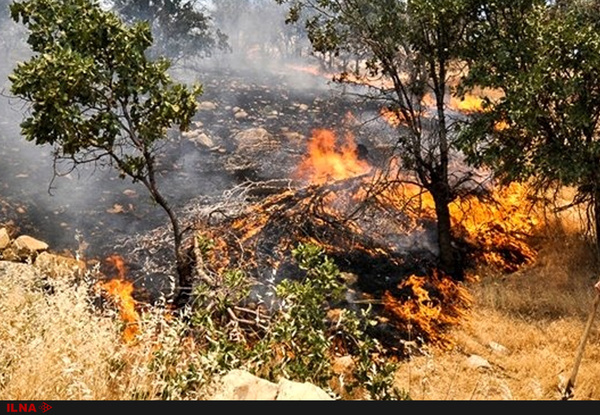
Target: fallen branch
[568, 391]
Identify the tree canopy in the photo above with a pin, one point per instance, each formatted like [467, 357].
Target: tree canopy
[181, 28]
[546, 61]
[93, 93]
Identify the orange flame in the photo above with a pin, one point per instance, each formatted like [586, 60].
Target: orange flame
[328, 162]
[121, 291]
[393, 118]
[427, 305]
[469, 104]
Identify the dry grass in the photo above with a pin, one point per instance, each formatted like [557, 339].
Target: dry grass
[57, 346]
[527, 326]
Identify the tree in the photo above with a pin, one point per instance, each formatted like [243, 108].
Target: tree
[96, 98]
[415, 46]
[546, 60]
[181, 28]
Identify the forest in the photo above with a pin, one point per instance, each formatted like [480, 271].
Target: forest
[299, 199]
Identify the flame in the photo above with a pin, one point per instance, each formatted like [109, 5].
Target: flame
[393, 118]
[427, 305]
[469, 104]
[309, 69]
[326, 161]
[499, 226]
[121, 291]
[501, 125]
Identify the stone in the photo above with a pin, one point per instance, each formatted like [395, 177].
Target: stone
[203, 140]
[296, 391]
[240, 115]
[255, 140]
[478, 362]
[240, 385]
[58, 266]
[498, 348]
[29, 243]
[206, 106]
[4, 238]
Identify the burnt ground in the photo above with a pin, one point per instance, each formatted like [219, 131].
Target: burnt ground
[95, 213]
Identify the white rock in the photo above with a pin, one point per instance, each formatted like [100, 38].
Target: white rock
[498, 348]
[239, 385]
[478, 362]
[241, 115]
[295, 391]
[207, 106]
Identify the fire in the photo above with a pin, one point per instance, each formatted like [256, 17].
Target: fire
[469, 104]
[309, 69]
[499, 226]
[326, 161]
[121, 291]
[501, 125]
[427, 305]
[393, 118]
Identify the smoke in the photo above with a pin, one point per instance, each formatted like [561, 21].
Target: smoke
[269, 74]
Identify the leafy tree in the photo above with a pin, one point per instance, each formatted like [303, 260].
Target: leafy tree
[181, 28]
[414, 45]
[96, 98]
[545, 57]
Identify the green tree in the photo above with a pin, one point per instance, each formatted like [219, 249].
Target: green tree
[181, 28]
[545, 58]
[414, 45]
[95, 97]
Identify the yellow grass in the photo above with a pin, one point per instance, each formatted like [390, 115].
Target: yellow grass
[527, 326]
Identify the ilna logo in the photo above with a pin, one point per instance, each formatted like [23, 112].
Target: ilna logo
[27, 407]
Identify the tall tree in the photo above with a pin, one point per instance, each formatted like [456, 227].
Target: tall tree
[415, 46]
[181, 28]
[96, 98]
[546, 60]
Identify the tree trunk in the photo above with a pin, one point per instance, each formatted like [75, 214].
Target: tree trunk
[183, 259]
[596, 203]
[449, 259]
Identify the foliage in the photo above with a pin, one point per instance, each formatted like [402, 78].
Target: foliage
[299, 340]
[181, 28]
[546, 60]
[94, 94]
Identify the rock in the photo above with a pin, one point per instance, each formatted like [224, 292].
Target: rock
[240, 115]
[24, 248]
[58, 266]
[255, 140]
[207, 106]
[295, 391]
[478, 362]
[239, 385]
[498, 348]
[4, 238]
[248, 160]
[199, 138]
[30, 244]
[204, 140]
